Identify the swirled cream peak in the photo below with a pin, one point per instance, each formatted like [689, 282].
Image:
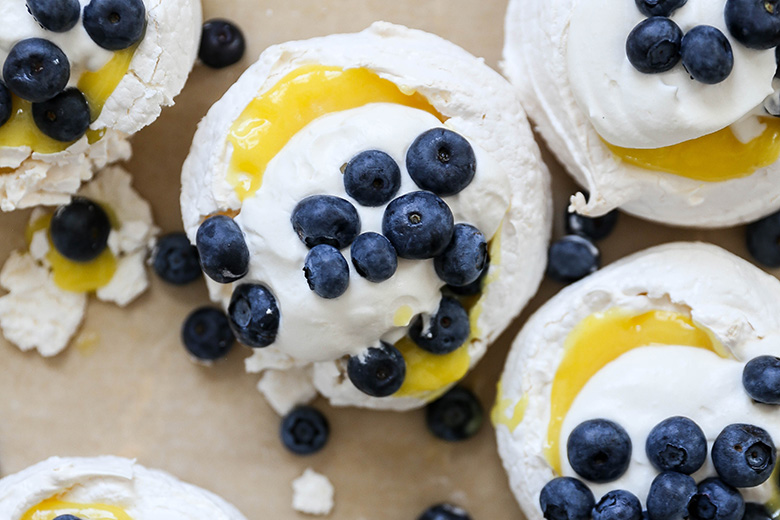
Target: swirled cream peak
[635, 110]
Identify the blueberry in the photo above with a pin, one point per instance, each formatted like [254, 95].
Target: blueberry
[441, 161]
[79, 230]
[6, 104]
[659, 7]
[447, 330]
[654, 45]
[115, 24]
[743, 455]
[65, 117]
[763, 240]
[221, 44]
[677, 444]
[372, 178]
[254, 315]
[599, 450]
[206, 334]
[175, 260]
[418, 224]
[754, 23]
[224, 255]
[593, 228]
[464, 258]
[618, 505]
[66, 517]
[36, 70]
[455, 416]
[474, 287]
[566, 498]
[304, 430]
[755, 511]
[669, 496]
[716, 500]
[444, 512]
[55, 15]
[326, 271]
[379, 371]
[761, 379]
[572, 258]
[325, 219]
[374, 257]
[706, 54]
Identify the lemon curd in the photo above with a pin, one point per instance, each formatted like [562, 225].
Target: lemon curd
[53, 507]
[719, 156]
[20, 129]
[507, 412]
[273, 117]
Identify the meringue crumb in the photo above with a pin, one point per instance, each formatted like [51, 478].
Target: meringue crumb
[312, 493]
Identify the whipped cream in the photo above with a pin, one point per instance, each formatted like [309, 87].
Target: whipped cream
[636, 110]
[144, 494]
[720, 292]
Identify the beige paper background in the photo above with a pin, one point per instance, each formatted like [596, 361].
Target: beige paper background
[135, 393]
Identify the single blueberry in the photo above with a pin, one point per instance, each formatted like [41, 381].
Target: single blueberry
[669, 496]
[254, 315]
[763, 240]
[706, 54]
[659, 7]
[326, 271]
[66, 517]
[224, 255]
[716, 500]
[444, 512]
[566, 498]
[743, 455]
[593, 228]
[325, 219]
[304, 430]
[755, 511]
[777, 62]
[418, 224]
[654, 45]
[441, 161]
[206, 334]
[79, 230]
[464, 258]
[374, 257]
[455, 416]
[221, 44]
[175, 259]
[572, 258]
[115, 24]
[447, 330]
[676, 444]
[379, 371]
[65, 117]
[372, 178]
[36, 70]
[6, 104]
[754, 23]
[599, 450]
[761, 379]
[618, 505]
[474, 287]
[55, 15]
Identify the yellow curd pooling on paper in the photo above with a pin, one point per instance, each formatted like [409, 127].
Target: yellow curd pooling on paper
[273, 117]
[719, 156]
[53, 507]
[20, 129]
[603, 337]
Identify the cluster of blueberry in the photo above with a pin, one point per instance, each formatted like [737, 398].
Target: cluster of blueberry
[743, 455]
[657, 43]
[38, 71]
[418, 225]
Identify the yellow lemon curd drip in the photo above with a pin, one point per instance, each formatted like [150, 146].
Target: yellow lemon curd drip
[500, 412]
[719, 156]
[53, 507]
[75, 276]
[272, 118]
[603, 337]
[20, 129]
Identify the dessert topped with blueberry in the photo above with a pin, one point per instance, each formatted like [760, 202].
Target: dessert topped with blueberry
[359, 208]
